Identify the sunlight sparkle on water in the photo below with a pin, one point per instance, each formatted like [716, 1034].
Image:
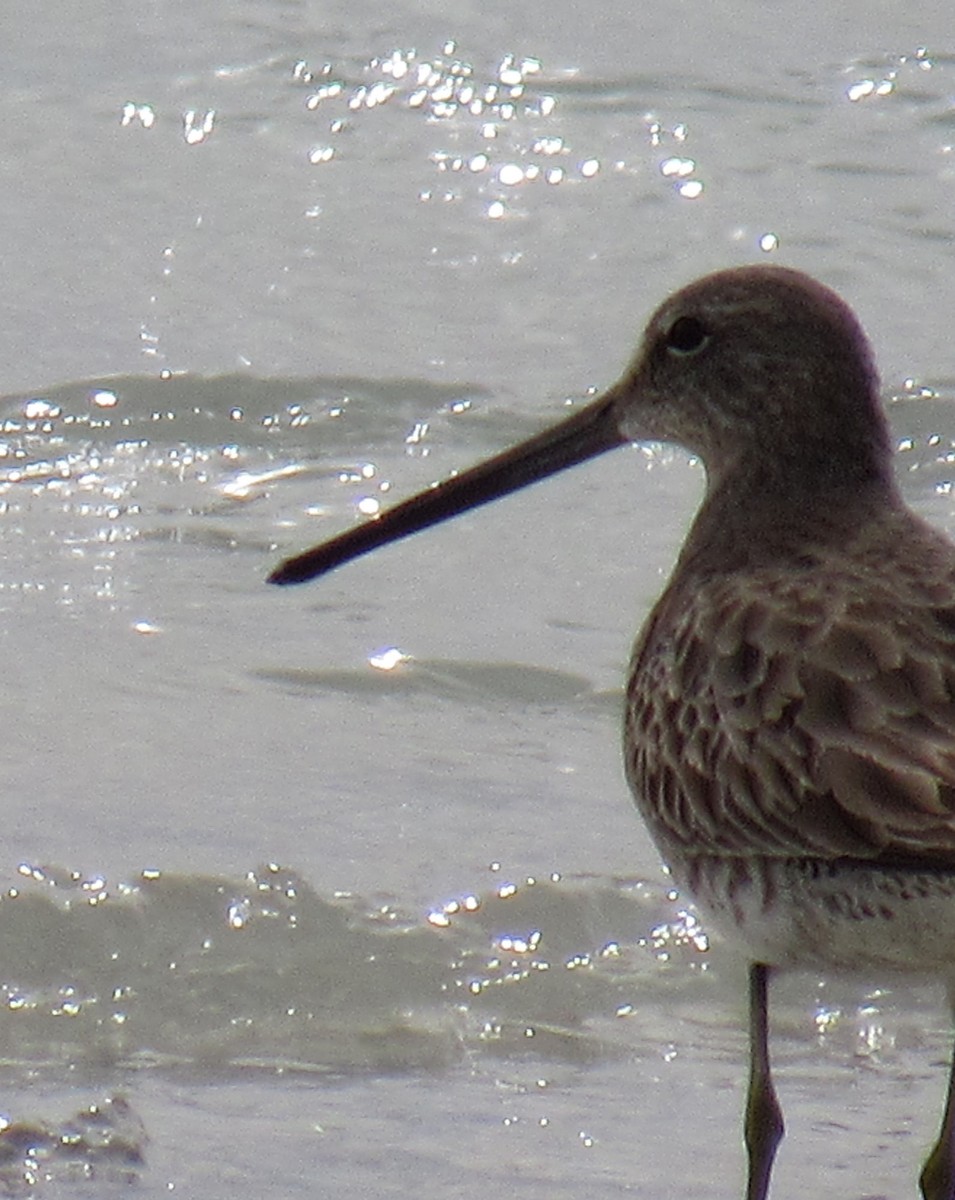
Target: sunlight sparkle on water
[325, 92]
[196, 127]
[513, 943]
[246, 485]
[143, 113]
[38, 410]
[388, 660]
[441, 917]
[419, 432]
[678, 167]
[685, 932]
[872, 1036]
[869, 87]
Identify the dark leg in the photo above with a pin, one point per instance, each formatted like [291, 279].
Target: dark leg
[763, 1129]
[937, 1180]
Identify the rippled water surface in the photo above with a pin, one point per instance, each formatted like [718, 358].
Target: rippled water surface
[338, 890]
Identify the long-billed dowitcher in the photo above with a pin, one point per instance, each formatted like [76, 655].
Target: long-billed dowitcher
[789, 731]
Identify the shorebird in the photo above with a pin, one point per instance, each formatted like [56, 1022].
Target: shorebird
[789, 725]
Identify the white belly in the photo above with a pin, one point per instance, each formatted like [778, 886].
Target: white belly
[845, 915]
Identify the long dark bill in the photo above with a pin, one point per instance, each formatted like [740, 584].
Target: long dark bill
[589, 432]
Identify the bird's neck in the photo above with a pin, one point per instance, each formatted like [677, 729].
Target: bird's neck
[749, 518]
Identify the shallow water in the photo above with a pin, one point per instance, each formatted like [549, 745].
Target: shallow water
[295, 914]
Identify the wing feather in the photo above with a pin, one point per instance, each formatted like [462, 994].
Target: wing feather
[792, 712]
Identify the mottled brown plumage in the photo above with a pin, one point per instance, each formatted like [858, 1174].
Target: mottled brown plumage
[790, 712]
[805, 706]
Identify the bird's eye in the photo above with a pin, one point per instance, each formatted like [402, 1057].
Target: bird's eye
[687, 335]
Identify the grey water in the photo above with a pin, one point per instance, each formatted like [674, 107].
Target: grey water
[339, 890]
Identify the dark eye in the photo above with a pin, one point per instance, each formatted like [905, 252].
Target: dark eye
[687, 336]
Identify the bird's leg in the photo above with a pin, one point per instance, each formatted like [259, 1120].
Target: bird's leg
[763, 1129]
[937, 1180]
